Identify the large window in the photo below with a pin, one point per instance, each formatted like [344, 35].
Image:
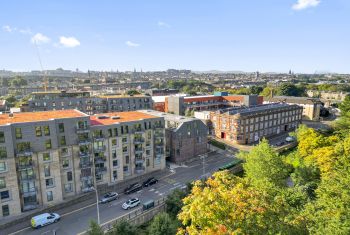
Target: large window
[49, 196]
[46, 157]
[47, 130]
[2, 182]
[115, 163]
[61, 127]
[18, 132]
[69, 176]
[3, 166]
[48, 144]
[38, 131]
[2, 137]
[3, 152]
[47, 170]
[49, 183]
[5, 210]
[68, 187]
[65, 163]
[63, 140]
[4, 195]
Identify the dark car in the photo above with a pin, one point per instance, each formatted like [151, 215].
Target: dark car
[109, 197]
[150, 182]
[133, 188]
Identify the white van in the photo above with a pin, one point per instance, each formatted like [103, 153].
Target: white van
[44, 219]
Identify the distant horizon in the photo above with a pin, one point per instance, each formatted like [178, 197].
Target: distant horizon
[302, 35]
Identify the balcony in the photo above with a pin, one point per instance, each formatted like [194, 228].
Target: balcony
[137, 131]
[82, 129]
[100, 169]
[99, 138]
[100, 149]
[159, 134]
[139, 140]
[85, 178]
[139, 160]
[156, 127]
[139, 170]
[84, 154]
[139, 150]
[25, 165]
[100, 159]
[30, 192]
[159, 144]
[84, 142]
[28, 177]
[24, 152]
[85, 164]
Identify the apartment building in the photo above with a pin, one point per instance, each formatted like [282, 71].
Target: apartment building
[81, 100]
[249, 125]
[179, 104]
[47, 157]
[311, 106]
[186, 138]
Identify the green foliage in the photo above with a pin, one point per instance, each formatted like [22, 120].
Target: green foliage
[18, 82]
[133, 92]
[123, 227]
[11, 100]
[190, 87]
[289, 89]
[95, 229]
[345, 105]
[163, 224]
[174, 202]
[217, 144]
[268, 91]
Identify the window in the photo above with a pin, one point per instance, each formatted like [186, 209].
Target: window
[2, 182]
[2, 166]
[147, 162]
[114, 153]
[126, 168]
[3, 152]
[125, 149]
[109, 132]
[64, 151]
[49, 196]
[60, 127]
[46, 157]
[69, 176]
[63, 140]
[65, 163]
[49, 183]
[38, 131]
[126, 159]
[115, 163]
[48, 144]
[2, 137]
[4, 195]
[68, 187]
[47, 170]
[5, 210]
[18, 132]
[125, 139]
[47, 130]
[115, 175]
[114, 142]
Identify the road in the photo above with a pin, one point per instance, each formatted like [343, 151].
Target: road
[77, 221]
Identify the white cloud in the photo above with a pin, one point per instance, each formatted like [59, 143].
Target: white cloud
[163, 24]
[8, 29]
[40, 39]
[132, 44]
[303, 4]
[69, 42]
[25, 31]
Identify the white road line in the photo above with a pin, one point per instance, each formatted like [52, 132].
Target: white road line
[151, 190]
[176, 183]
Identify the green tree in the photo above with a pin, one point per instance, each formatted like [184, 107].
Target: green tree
[95, 229]
[133, 92]
[289, 89]
[263, 166]
[123, 227]
[163, 224]
[255, 90]
[267, 91]
[174, 201]
[345, 105]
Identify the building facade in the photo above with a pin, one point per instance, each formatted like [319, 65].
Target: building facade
[81, 100]
[47, 157]
[311, 106]
[186, 138]
[249, 125]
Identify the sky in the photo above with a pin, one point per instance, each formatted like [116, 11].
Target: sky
[229, 35]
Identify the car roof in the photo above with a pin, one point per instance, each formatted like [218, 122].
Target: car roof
[44, 215]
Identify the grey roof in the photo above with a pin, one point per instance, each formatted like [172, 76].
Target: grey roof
[293, 99]
[169, 116]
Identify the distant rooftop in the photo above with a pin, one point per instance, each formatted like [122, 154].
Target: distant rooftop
[293, 99]
[118, 117]
[39, 116]
[168, 116]
[258, 108]
[121, 96]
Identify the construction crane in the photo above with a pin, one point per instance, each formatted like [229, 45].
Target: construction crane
[45, 80]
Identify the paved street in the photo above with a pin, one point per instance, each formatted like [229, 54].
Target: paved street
[77, 221]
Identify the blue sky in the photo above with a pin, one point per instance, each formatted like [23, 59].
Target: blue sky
[246, 35]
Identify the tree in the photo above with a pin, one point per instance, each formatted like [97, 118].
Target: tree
[289, 89]
[163, 224]
[227, 204]
[345, 105]
[267, 91]
[255, 90]
[123, 227]
[263, 166]
[133, 92]
[174, 202]
[95, 229]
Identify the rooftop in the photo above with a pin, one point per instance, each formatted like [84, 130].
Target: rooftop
[259, 108]
[169, 116]
[121, 96]
[39, 116]
[294, 99]
[113, 118]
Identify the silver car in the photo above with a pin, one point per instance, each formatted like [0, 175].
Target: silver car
[131, 203]
[108, 197]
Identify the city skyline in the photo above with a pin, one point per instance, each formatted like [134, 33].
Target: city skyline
[273, 36]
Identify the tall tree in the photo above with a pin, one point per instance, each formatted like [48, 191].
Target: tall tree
[123, 227]
[163, 224]
[95, 229]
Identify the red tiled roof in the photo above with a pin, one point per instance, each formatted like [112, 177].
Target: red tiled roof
[123, 117]
[39, 116]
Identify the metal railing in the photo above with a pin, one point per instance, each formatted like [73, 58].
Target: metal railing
[24, 152]
[25, 165]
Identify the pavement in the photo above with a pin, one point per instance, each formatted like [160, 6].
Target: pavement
[75, 219]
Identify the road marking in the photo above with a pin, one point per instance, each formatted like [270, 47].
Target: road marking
[151, 190]
[157, 191]
[176, 183]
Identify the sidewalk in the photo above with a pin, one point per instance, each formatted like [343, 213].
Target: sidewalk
[81, 201]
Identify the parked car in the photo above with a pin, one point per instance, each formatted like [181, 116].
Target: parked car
[131, 203]
[44, 219]
[133, 188]
[290, 139]
[108, 197]
[150, 182]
